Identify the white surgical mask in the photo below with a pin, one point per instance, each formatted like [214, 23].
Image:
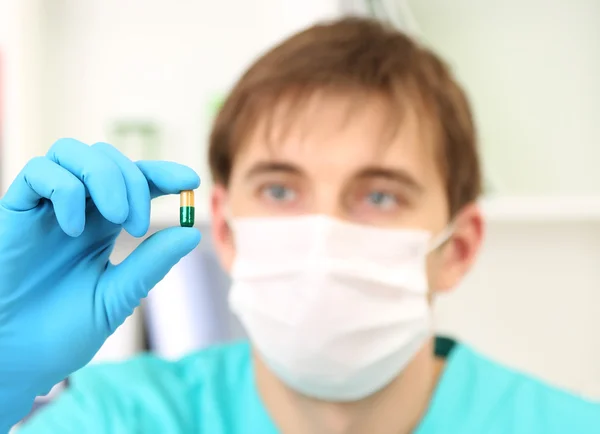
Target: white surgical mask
[336, 310]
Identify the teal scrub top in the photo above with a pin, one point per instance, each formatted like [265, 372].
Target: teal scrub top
[213, 392]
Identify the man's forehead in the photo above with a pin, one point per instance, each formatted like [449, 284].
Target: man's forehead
[325, 115]
[363, 136]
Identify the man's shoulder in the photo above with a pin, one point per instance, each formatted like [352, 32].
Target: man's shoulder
[152, 384]
[226, 363]
[497, 395]
[213, 363]
[149, 394]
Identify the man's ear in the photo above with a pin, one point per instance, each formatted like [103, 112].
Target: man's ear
[458, 255]
[222, 236]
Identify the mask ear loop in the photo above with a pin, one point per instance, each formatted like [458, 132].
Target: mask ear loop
[440, 239]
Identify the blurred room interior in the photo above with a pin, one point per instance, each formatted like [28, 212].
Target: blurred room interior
[148, 75]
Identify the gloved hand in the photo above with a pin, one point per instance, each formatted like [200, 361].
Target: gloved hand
[60, 297]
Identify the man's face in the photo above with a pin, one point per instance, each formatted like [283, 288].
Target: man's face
[334, 158]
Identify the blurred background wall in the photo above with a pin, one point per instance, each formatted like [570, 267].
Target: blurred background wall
[147, 76]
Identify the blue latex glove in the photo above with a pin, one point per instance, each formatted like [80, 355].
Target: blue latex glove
[60, 297]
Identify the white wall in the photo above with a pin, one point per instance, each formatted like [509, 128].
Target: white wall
[21, 63]
[531, 68]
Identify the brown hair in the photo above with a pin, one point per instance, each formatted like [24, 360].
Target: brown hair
[355, 54]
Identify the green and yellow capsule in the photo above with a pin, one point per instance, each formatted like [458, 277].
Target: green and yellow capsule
[186, 208]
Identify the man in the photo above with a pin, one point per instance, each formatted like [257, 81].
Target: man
[346, 175]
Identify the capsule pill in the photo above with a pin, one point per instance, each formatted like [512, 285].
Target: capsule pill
[186, 208]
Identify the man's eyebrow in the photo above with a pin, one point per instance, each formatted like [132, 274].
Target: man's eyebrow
[263, 167]
[397, 175]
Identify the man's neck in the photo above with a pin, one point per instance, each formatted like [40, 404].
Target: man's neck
[397, 409]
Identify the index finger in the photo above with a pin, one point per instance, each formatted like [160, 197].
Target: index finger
[166, 177]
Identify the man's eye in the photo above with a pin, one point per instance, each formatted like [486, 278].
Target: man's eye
[278, 193]
[382, 200]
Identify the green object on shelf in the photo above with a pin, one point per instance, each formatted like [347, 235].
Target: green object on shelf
[139, 139]
[215, 104]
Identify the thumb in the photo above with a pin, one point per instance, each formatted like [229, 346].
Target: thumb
[122, 287]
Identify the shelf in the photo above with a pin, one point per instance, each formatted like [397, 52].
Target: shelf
[542, 209]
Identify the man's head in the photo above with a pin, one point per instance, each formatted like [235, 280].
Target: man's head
[354, 120]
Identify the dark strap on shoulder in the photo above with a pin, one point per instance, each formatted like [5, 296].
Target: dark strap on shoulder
[444, 346]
